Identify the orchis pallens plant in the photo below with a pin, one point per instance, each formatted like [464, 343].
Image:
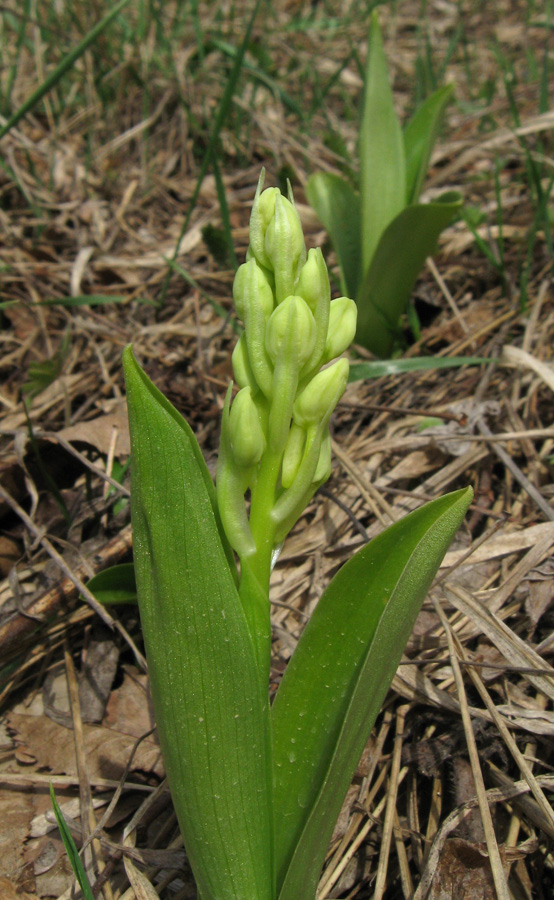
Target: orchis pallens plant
[257, 790]
[382, 234]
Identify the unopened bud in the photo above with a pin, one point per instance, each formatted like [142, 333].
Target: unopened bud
[293, 323]
[242, 370]
[292, 457]
[251, 289]
[284, 246]
[313, 281]
[342, 327]
[323, 468]
[245, 431]
[321, 394]
[263, 211]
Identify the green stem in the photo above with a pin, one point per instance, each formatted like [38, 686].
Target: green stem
[261, 524]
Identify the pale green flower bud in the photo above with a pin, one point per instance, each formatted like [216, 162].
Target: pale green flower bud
[263, 210]
[323, 468]
[342, 327]
[254, 300]
[250, 291]
[313, 286]
[284, 246]
[292, 457]
[245, 430]
[313, 281]
[242, 370]
[292, 320]
[321, 394]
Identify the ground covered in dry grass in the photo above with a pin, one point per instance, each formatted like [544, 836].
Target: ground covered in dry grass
[95, 185]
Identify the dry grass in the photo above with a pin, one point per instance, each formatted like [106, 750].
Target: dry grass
[454, 784]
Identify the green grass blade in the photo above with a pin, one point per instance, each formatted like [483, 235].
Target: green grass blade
[60, 70]
[338, 208]
[224, 208]
[210, 697]
[222, 113]
[381, 367]
[399, 257]
[382, 163]
[420, 136]
[71, 849]
[338, 677]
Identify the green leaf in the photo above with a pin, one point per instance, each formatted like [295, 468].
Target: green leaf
[41, 375]
[71, 849]
[381, 367]
[338, 208]
[382, 163]
[338, 677]
[115, 585]
[402, 251]
[210, 697]
[420, 135]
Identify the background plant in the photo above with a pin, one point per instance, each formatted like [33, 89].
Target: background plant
[382, 235]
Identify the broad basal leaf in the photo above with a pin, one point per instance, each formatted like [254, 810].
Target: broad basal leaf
[338, 208]
[337, 679]
[210, 698]
[382, 164]
[420, 135]
[386, 288]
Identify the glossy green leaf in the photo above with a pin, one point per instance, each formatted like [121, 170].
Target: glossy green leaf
[210, 697]
[420, 135]
[337, 679]
[382, 163]
[338, 208]
[115, 585]
[402, 251]
[378, 368]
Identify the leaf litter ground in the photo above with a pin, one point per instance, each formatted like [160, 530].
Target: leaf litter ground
[93, 203]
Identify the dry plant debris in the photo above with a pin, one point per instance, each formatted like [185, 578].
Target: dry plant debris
[452, 797]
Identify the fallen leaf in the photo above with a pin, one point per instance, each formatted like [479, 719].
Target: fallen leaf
[98, 432]
[129, 708]
[107, 751]
[8, 891]
[464, 872]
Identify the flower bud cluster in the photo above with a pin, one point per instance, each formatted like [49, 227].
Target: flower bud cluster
[275, 435]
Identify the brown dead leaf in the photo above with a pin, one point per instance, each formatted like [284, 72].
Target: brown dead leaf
[539, 598]
[345, 813]
[107, 750]
[10, 552]
[98, 673]
[464, 872]
[8, 891]
[17, 808]
[98, 432]
[129, 708]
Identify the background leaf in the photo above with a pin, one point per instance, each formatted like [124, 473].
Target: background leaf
[337, 679]
[338, 208]
[382, 165]
[210, 699]
[420, 135]
[386, 288]
[115, 585]
[380, 367]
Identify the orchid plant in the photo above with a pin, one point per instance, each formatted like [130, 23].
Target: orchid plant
[382, 234]
[257, 788]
